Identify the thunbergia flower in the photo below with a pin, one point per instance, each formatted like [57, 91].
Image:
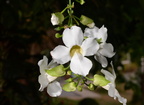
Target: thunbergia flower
[112, 91]
[105, 49]
[75, 50]
[53, 87]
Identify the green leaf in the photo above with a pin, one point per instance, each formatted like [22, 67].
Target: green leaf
[86, 21]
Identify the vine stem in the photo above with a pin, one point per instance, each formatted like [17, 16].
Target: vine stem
[90, 79]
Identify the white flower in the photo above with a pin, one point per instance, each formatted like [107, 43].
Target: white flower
[75, 50]
[53, 88]
[105, 49]
[112, 91]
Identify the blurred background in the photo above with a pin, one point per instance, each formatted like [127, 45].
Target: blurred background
[26, 34]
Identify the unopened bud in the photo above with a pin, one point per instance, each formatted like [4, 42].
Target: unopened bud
[87, 21]
[69, 86]
[57, 18]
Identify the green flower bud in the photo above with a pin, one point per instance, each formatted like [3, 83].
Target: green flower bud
[69, 80]
[58, 28]
[91, 86]
[57, 18]
[100, 80]
[81, 1]
[69, 72]
[69, 86]
[57, 35]
[57, 71]
[79, 88]
[86, 21]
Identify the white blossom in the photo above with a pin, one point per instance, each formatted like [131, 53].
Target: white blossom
[75, 50]
[53, 87]
[105, 49]
[112, 91]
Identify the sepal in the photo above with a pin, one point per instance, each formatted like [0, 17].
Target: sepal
[57, 71]
[100, 80]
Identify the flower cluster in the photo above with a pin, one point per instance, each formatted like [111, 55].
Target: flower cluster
[72, 58]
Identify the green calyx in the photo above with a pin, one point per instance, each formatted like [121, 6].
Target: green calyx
[69, 87]
[91, 86]
[81, 1]
[60, 16]
[100, 80]
[86, 20]
[57, 71]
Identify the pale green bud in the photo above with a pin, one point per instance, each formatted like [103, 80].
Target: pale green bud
[69, 80]
[57, 18]
[69, 86]
[100, 80]
[69, 72]
[57, 71]
[81, 1]
[57, 35]
[58, 28]
[79, 88]
[91, 86]
[86, 21]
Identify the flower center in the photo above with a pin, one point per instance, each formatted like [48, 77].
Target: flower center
[75, 49]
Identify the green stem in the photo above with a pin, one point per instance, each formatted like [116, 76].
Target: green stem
[64, 10]
[90, 79]
[70, 13]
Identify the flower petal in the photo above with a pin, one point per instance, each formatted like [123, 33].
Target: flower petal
[42, 79]
[61, 54]
[90, 32]
[101, 59]
[43, 64]
[96, 33]
[107, 50]
[102, 33]
[108, 75]
[80, 65]
[90, 46]
[54, 89]
[52, 64]
[111, 91]
[72, 36]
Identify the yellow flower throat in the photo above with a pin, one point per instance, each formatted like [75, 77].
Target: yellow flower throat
[75, 49]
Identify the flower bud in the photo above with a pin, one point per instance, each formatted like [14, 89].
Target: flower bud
[57, 35]
[69, 72]
[91, 86]
[79, 88]
[100, 80]
[57, 71]
[87, 21]
[69, 80]
[69, 86]
[57, 18]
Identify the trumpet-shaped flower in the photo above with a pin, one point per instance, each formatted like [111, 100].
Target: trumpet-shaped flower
[112, 91]
[105, 49]
[53, 88]
[75, 50]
